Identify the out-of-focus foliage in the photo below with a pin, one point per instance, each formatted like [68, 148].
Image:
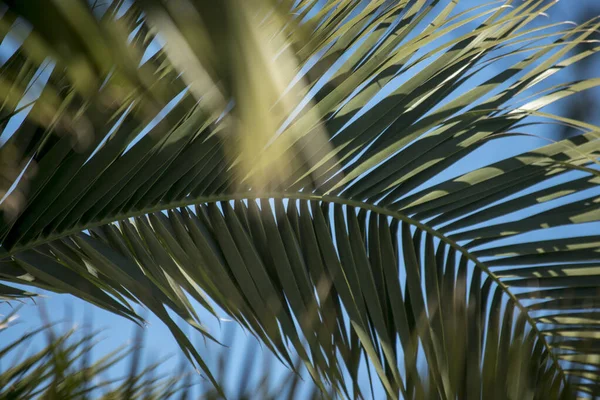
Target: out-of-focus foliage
[49, 363]
[310, 168]
[583, 106]
[62, 368]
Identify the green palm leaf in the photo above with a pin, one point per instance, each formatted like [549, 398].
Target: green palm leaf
[314, 223]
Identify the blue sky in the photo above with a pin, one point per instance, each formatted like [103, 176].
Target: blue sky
[158, 340]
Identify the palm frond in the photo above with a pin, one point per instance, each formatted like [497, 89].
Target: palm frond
[317, 211]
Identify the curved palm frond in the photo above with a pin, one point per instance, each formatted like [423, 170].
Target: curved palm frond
[326, 221]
